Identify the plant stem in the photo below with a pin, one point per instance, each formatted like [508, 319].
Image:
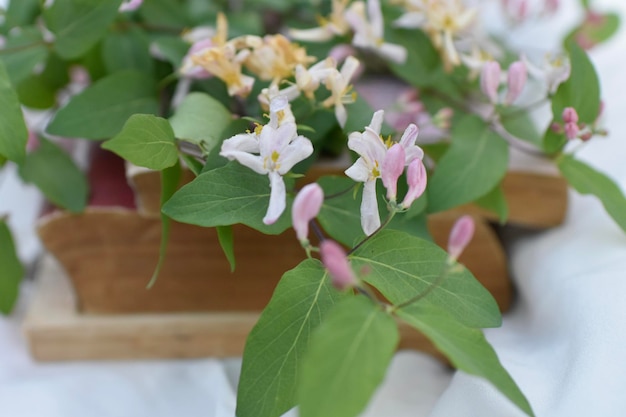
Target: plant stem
[22, 47]
[381, 227]
[428, 290]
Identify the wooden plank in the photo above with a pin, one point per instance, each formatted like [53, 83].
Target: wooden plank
[57, 331]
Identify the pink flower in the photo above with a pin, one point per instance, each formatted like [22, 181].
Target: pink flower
[130, 5]
[490, 80]
[460, 236]
[336, 262]
[393, 167]
[306, 207]
[416, 178]
[516, 80]
[570, 115]
[571, 130]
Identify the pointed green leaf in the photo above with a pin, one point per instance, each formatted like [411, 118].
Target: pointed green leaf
[347, 359]
[475, 163]
[520, 124]
[340, 213]
[129, 50]
[402, 266]
[228, 195]
[101, 110]
[495, 201]
[79, 24]
[23, 51]
[201, 119]
[275, 347]
[12, 270]
[147, 141]
[587, 180]
[170, 178]
[56, 175]
[20, 13]
[13, 132]
[467, 349]
[581, 91]
[227, 243]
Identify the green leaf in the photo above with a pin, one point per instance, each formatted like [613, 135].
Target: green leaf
[200, 119]
[227, 243]
[165, 13]
[101, 110]
[581, 91]
[173, 48]
[520, 124]
[347, 359]
[79, 24]
[553, 142]
[146, 141]
[129, 50]
[56, 175]
[495, 201]
[23, 51]
[35, 93]
[587, 180]
[275, 346]
[13, 132]
[475, 163]
[402, 266]
[340, 215]
[467, 349]
[170, 178]
[225, 196]
[422, 58]
[20, 13]
[12, 270]
[595, 30]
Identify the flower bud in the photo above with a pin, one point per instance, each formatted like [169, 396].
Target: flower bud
[490, 80]
[416, 178]
[571, 130]
[516, 80]
[306, 207]
[460, 236]
[570, 115]
[130, 5]
[336, 262]
[392, 168]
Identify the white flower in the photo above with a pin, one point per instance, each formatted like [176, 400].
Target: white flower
[271, 150]
[130, 5]
[554, 70]
[368, 30]
[333, 25]
[338, 82]
[372, 150]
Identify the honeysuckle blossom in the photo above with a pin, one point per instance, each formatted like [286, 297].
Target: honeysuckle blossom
[373, 150]
[516, 80]
[417, 180]
[203, 40]
[460, 236]
[309, 80]
[443, 20]
[333, 25]
[271, 150]
[369, 30]
[225, 63]
[336, 262]
[341, 90]
[306, 207]
[130, 5]
[554, 70]
[274, 58]
[490, 80]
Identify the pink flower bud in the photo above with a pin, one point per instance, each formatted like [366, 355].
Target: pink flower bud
[571, 130]
[516, 80]
[336, 262]
[586, 136]
[570, 115]
[416, 178]
[392, 168]
[460, 236]
[306, 207]
[130, 5]
[490, 80]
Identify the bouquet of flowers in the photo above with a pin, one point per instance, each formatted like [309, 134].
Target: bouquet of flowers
[248, 95]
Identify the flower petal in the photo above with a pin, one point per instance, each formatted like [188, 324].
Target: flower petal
[370, 219]
[298, 150]
[278, 198]
[359, 171]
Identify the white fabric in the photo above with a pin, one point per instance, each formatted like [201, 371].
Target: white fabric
[563, 342]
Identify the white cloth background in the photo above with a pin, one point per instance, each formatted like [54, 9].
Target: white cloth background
[563, 341]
